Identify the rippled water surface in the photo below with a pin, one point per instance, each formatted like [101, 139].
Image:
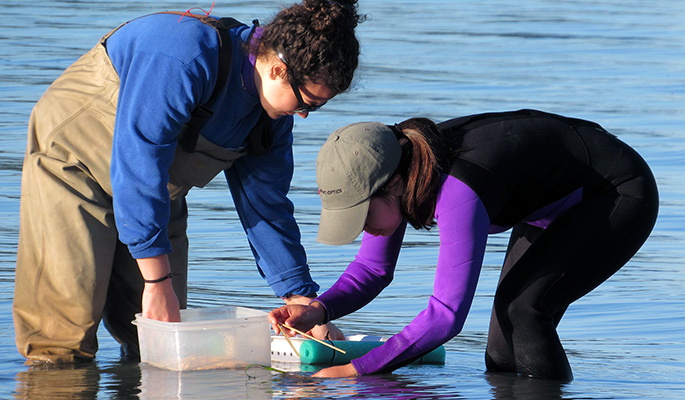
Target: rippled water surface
[620, 63]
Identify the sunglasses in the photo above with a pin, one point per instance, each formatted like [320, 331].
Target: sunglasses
[301, 105]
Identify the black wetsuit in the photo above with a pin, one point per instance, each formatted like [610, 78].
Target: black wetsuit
[580, 202]
[547, 268]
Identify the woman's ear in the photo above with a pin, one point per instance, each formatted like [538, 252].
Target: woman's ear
[269, 66]
[277, 72]
[278, 68]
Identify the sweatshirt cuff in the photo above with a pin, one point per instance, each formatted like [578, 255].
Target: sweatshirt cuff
[157, 245]
[295, 281]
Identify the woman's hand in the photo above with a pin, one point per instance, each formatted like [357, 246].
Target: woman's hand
[301, 317]
[160, 302]
[339, 371]
[328, 331]
[159, 299]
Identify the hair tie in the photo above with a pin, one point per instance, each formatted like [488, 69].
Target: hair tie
[398, 132]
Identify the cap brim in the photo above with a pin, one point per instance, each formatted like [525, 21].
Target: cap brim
[338, 227]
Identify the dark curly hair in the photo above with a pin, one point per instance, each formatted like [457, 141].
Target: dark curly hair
[318, 41]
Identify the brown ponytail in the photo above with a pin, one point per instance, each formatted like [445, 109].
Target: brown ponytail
[317, 37]
[424, 158]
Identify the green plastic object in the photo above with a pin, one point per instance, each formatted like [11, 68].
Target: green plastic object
[312, 352]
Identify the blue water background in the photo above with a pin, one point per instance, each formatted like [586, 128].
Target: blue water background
[620, 63]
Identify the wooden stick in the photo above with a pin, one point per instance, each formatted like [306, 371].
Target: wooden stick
[290, 343]
[312, 338]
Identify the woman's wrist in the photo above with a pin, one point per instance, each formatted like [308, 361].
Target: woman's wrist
[297, 299]
[162, 279]
[323, 320]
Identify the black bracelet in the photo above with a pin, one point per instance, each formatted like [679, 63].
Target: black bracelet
[162, 279]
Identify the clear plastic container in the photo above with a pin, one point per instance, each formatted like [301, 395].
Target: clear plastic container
[208, 338]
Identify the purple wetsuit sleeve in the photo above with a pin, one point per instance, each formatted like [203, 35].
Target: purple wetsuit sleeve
[371, 271]
[463, 223]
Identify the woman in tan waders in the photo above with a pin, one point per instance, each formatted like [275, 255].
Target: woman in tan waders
[164, 103]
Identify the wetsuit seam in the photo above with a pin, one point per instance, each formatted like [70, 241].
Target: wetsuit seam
[582, 143]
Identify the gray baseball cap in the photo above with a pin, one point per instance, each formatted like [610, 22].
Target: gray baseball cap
[354, 163]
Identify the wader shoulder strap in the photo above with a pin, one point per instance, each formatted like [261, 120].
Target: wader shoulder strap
[191, 130]
[260, 138]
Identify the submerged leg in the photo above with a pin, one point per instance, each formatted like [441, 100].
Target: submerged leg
[499, 354]
[64, 261]
[570, 258]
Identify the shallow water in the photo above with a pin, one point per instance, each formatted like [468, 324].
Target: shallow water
[620, 63]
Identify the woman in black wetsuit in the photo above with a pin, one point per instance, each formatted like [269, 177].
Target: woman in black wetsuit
[580, 202]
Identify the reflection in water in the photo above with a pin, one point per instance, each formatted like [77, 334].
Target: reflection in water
[387, 386]
[214, 384]
[506, 386]
[74, 381]
[132, 380]
[402, 387]
[503, 386]
[125, 380]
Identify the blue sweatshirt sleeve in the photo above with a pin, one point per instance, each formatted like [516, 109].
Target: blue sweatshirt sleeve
[166, 68]
[259, 186]
[463, 223]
